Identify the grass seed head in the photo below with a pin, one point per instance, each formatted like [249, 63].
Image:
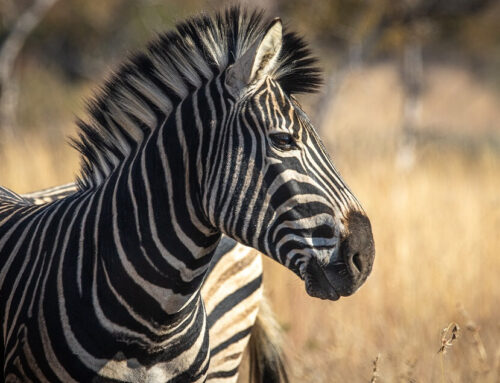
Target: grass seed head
[449, 335]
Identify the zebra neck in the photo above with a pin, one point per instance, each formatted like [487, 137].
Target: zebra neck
[148, 236]
[152, 226]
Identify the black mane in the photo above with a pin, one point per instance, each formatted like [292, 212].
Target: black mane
[144, 90]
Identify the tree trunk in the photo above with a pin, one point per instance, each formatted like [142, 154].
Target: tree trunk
[9, 51]
[412, 79]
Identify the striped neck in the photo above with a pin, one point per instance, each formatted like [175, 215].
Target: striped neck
[151, 209]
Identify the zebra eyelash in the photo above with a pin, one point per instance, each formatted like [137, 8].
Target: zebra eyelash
[283, 141]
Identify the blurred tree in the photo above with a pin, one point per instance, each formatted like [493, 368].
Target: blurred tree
[81, 39]
[357, 30]
[412, 17]
[11, 46]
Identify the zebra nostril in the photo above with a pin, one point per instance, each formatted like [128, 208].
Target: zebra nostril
[358, 247]
[357, 264]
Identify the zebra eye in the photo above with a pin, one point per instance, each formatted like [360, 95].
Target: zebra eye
[283, 141]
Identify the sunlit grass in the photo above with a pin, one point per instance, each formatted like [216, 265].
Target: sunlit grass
[32, 161]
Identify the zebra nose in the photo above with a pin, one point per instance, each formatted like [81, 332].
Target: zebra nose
[357, 249]
[350, 267]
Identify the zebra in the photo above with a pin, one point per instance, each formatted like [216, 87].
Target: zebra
[232, 293]
[236, 308]
[198, 135]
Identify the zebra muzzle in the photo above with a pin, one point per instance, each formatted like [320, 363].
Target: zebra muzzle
[349, 269]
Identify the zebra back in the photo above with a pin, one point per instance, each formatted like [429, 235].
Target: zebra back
[9, 196]
[48, 195]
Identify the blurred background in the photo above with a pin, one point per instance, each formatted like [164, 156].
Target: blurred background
[410, 112]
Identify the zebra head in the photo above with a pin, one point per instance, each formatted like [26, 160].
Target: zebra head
[280, 192]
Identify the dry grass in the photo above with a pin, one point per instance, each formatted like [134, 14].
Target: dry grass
[375, 369]
[33, 162]
[436, 230]
[436, 234]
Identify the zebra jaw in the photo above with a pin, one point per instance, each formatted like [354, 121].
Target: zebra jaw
[317, 283]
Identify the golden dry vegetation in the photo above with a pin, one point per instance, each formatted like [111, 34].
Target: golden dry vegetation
[436, 228]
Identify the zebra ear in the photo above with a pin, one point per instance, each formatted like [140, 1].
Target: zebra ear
[259, 60]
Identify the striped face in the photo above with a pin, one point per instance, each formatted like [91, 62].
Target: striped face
[290, 202]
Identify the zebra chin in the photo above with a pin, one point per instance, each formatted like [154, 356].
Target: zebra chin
[331, 281]
[317, 284]
[349, 268]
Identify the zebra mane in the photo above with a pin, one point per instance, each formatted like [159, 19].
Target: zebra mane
[141, 94]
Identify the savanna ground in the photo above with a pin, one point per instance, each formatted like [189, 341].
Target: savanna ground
[436, 226]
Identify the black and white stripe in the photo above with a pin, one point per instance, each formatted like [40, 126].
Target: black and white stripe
[198, 136]
[231, 292]
[41, 197]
